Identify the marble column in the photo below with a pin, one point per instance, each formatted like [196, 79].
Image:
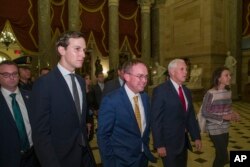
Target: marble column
[44, 34]
[155, 27]
[74, 15]
[234, 41]
[146, 31]
[113, 34]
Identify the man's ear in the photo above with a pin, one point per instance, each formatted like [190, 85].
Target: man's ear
[170, 72]
[61, 50]
[126, 76]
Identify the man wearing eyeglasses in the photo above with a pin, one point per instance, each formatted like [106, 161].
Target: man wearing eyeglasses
[123, 122]
[16, 148]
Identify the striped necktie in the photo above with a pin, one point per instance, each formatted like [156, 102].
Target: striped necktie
[76, 96]
[137, 112]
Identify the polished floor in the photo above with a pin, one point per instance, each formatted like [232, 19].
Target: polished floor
[239, 139]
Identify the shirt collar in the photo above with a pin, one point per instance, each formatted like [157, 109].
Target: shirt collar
[121, 81]
[130, 93]
[63, 70]
[7, 92]
[175, 84]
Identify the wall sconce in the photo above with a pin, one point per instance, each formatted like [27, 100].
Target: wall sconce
[7, 38]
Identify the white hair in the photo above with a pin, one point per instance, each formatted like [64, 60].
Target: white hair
[173, 63]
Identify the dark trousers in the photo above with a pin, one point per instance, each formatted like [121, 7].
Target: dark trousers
[221, 154]
[29, 159]
[88, 158]
[179, 160]
[142, 161]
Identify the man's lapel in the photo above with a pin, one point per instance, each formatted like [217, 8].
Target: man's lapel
[6, 110]
[129, 105]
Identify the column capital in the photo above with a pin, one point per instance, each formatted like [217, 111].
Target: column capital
[145, 8]
[145, 2]
[113, 3]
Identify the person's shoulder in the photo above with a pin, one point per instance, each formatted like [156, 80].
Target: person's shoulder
[114, 94]
[46, 79]
[25, 92]
[212, 91]
[162, 86]
[110, 82]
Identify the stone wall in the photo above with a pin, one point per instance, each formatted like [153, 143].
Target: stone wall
[198, 30]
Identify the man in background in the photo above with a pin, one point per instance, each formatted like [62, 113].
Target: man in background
[98, 88]
[44, 71]
[24, 64]
[16, 146]
[114, 83]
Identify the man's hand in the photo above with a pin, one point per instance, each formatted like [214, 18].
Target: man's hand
[162, 152]
[198, 145]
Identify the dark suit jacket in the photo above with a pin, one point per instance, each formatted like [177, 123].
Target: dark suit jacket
[119, 138]
[110, 86]
[98, 94]
[169, 120]
[10, 148]
[57, 132]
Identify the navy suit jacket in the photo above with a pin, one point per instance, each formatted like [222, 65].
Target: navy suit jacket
[10, 147]
[57, 132]
[119, 138]
[170, 121]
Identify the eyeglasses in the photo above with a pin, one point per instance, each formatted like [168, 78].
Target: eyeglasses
[140, 76]
[8, 75]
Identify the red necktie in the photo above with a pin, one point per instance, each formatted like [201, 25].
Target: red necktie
[181, 96]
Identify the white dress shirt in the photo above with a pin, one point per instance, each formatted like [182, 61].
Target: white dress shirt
[131, 95]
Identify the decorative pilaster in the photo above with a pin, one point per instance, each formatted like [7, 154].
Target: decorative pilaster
[146, 27]
[74, 15]
[113, 34]
[44, 33]
[234, 25]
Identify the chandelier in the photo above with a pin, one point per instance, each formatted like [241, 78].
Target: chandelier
[7, 38]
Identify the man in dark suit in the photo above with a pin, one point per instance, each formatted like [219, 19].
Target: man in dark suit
[25, 75]
[16, 146]
[123, 123]
[173, 117]
[114, 83]
[59, 109]
[98, 88]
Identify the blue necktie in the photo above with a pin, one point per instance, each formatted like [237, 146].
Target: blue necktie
[20, 123]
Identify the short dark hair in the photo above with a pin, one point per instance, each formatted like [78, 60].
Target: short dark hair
[98, 73]
[63, 39]
[129, 64]
[8, 62]
[44, 68]
[85, 75]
